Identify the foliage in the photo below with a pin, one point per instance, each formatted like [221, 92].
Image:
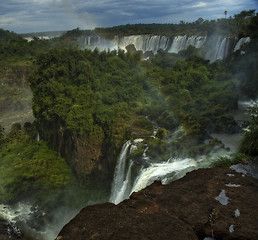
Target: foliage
[232, 26]
[14, 48]
[229, 161]
[15, 93]
[85, 90]
[197, 94]
[250, 140]
[32, 163]
[30, 171]
[1, 135]
[103, 93]
[6, 36]
[244, 65]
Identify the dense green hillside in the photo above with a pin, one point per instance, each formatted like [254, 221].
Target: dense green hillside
[87, 103]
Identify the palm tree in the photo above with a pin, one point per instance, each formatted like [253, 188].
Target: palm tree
[225, 14]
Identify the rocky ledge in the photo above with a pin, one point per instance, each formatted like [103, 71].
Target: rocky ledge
[218, 203]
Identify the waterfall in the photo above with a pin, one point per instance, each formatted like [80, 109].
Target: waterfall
[121, 177]
[37, 137]
[162, 171]
[223, 49]
[241, 42]
[101, 43]
[218, 47]
[178, 44]
[183, 42]
[124, 191]
[123, 185]
[145, 42]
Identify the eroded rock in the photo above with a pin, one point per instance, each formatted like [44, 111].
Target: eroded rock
[184, 209]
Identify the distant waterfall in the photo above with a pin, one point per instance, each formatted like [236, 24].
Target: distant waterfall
[221, 49]
[183, 42]
[154, 43]
[217, 47]
[98, 42]
[241, 42]
[145, 42]
[37, 137]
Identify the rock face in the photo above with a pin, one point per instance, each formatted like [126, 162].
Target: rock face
[219, 203]
[84, 153]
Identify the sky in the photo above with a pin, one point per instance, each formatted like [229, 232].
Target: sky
[25, 16]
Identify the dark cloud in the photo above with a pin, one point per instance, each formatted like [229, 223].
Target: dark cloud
[44, 15]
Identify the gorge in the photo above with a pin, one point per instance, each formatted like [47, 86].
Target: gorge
[110, 124]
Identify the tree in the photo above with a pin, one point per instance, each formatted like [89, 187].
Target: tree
[1, 135]
[226, 12]
[250, 140]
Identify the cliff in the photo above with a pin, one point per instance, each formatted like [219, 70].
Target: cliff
[219, 203]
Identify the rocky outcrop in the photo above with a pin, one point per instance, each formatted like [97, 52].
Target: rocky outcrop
[217, 203]
[83, 152]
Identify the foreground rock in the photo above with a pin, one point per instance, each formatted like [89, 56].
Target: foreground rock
[218, 203]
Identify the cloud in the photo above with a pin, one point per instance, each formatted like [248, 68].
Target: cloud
[199, 4]
[43, 15]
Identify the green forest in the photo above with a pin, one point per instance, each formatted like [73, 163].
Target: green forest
[96, 100]
[238, 25]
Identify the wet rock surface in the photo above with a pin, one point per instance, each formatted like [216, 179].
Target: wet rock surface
[189, 208]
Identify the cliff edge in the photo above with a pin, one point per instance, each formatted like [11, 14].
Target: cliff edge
[218, 203]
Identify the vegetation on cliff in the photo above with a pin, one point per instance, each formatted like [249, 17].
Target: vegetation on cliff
[85, 90]
[33, 173]
[86, 103]
[28, 166]
[250, 140]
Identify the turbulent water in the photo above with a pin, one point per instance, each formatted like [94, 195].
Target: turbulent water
[125, 183]
[18, 212]
[23, 213]
[164, 171]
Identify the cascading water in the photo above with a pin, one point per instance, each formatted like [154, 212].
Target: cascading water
[241, 42]
[121, 181]
[145, 42]
[222, 49]
[217, 47]
[98, 42]
[164, 172]
[123, 184]
[183, 42]
[19, 212]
